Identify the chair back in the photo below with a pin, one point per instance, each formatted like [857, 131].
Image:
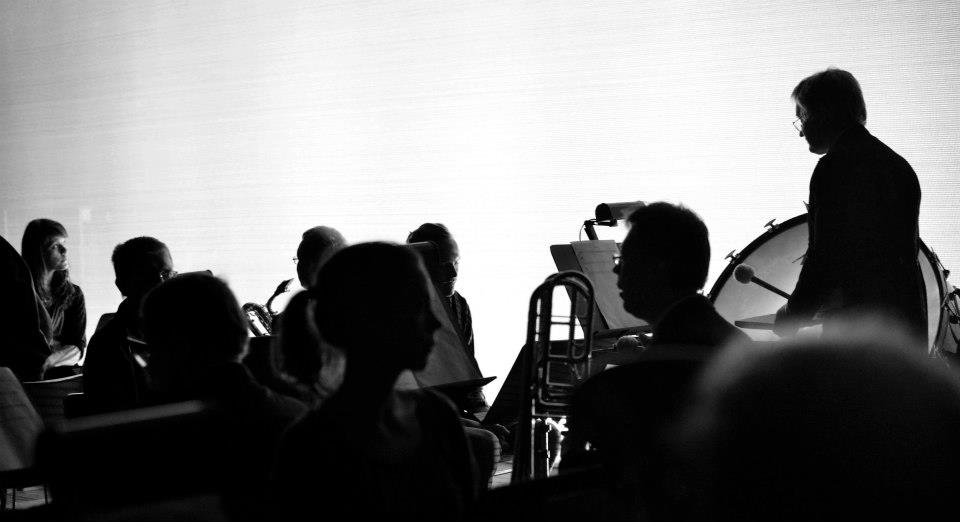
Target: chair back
[132, 457]
[575, 496]
[47, 396]
[19, 424]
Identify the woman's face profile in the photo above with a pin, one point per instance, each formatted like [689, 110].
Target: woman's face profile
[55, 254]
[419, 326]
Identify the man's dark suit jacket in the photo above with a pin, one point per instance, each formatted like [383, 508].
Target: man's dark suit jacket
[862, 255]
[623, 411]
[625, 406]
[113, 380]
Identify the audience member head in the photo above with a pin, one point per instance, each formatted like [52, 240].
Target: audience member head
[140, 264]
[317, 245]
[448, 253]
[827, 103]
[192, 323]
[303, 355]
[374, 304]
[854, 427]
[44, 249]
[664, 258]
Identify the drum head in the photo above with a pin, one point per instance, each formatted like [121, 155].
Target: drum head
[776, 257]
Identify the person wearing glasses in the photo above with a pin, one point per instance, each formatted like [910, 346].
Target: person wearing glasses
[114, 376]
[863, 212]
[316, 246]
[620, 412]
[472, 401]
[371, 451]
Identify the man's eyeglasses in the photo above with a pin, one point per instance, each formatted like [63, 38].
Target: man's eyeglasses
[798, 124]
[167, 274]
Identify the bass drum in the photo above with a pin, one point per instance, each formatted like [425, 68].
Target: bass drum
[776, 257]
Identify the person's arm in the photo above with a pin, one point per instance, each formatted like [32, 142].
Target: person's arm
[74, 331]
[467, 328]
[461, 459]
[829, 225]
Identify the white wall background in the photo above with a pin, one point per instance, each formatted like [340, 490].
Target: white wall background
[227, 128]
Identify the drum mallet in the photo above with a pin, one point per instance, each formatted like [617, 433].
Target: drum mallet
[746, 274]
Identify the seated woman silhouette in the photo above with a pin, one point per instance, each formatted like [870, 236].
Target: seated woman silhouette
[62, 310]
[371, 450]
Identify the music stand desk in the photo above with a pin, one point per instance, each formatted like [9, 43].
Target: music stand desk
[760, 322]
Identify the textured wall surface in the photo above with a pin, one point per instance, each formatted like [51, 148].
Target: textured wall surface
[227, 128]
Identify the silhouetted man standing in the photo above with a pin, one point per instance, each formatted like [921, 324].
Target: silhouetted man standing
[863, 210]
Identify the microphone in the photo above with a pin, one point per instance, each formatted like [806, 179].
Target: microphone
[746, 274]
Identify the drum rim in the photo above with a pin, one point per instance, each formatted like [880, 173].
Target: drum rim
[932, 258]
[749, 249]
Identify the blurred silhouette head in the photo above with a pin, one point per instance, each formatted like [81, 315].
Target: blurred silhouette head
[140, 264]
[448, 252]
[374, 304]
[664, 258]
[827, 103]
[317, 245]
[44, 249]
[855, 427]
[191, 323]
[304, 356]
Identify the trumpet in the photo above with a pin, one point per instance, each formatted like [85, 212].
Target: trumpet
[552, 370]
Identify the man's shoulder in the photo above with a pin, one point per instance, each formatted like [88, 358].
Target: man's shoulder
[460, 301]
[75, 290]
[694, 322]
[112, 333]
[430, 401]
[236, 387]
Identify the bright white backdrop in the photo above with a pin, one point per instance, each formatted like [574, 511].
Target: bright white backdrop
[227, 128]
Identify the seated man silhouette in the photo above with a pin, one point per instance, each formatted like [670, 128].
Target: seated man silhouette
[114, 374]
[619, 412]
[197, 336]
[853, 426]
[445, 280]
[313, 367]
[316, 246]
[370, 451]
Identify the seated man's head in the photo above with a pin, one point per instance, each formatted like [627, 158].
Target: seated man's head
[839, 428]
[448, 254]
[374, 303]
[140, 264]
[317, 245]
[664, 258]
[192, 323]
[827, 103]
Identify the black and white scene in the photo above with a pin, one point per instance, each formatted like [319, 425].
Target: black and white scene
[632, 260]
